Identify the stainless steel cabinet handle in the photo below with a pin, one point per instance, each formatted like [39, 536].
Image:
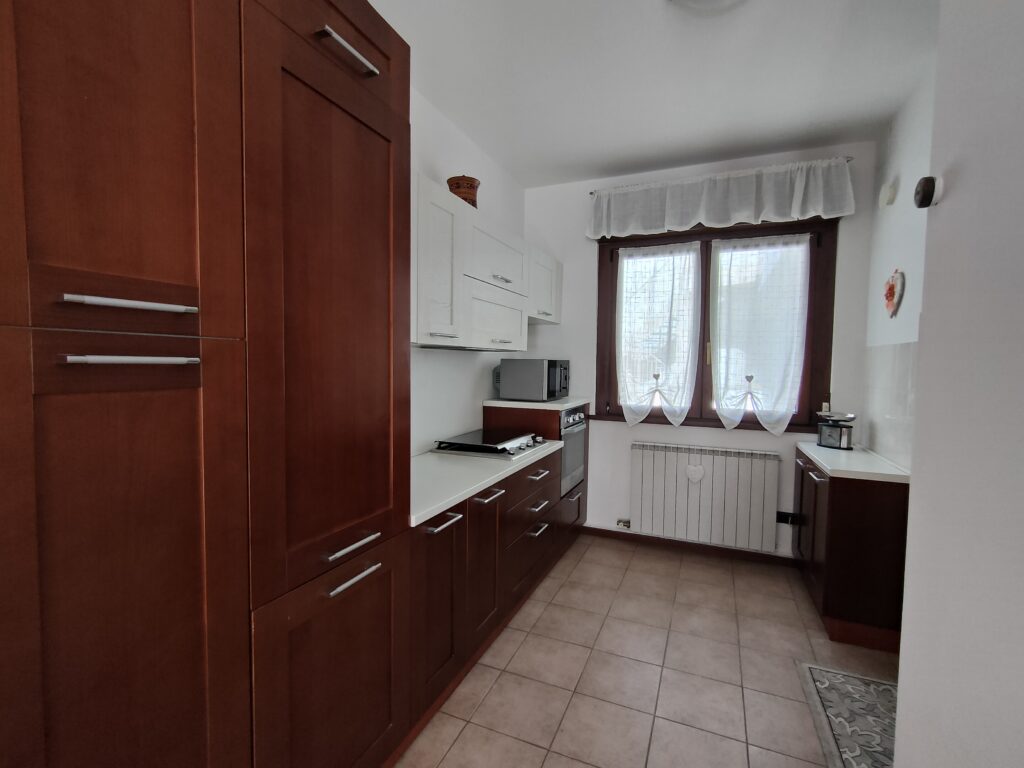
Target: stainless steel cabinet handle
[497, 492]
[326, 32]
[543, 527]
[109, 301]
[354, 580]
[576, 497]
[801, 463]
[445, 335]
[543, 312]
[127, 360]
[454, 519]
[539, 507]
[501, 278]
[351, 547]
[501, 341]
[540, 474]
[817, 478]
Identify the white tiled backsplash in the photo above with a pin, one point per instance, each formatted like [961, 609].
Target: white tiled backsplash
[891, 373]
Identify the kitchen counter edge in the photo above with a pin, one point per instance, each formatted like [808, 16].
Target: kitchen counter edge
[858, 464]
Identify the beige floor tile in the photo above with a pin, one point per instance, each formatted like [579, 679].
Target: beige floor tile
[549, 661]
[769, 583]
[610, 555]
[706, 704]
[503, 647]
[527, 615]
[523, 708]
[478, 747]
[812, 621]
[657, 561]
[762, 758]
[775, 638]
[651, 584]
[706, 572]
[701, 656]
[550, 585]
[602, 734]
[781, 610]
[585, 597]
[628, 682]
[855, 659]
[781, 725]
[563, 568]
[720, 597]
[680, 746]
[430, 746]
[635, 641]
[570, 624]
[596, 575]
[471, 691]
[771, 673]
[643, 609]
[705, 622]
[555, 760]
[576, 550]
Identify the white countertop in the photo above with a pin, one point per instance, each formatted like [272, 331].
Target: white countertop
[440, 481]
[547, 405]
[858, 464]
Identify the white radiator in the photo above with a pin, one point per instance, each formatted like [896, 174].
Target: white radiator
[710, 495]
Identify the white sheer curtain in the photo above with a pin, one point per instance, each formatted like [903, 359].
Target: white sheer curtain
[758, 322]
[657, 323]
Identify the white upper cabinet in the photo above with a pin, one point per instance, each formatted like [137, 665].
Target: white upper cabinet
[496, 318]
[498, 259]
[442, 243]
[545, 298]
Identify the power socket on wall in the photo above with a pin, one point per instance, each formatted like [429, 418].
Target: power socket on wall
[622, 523]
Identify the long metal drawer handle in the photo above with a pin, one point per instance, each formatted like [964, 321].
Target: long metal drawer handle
[576, 497]
[543, 312]
[326, 31]
[109, 301]
[539, 507]
[351, 547]
[801, 463]
[540, 474]
[354, 580]
[502, 278]
[497, 492]
[543, 527]
[454, 519]
[501, 341]
[445, 335]
[816, 477]
[127, 360]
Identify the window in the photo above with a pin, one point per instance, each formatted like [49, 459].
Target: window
[717, 326]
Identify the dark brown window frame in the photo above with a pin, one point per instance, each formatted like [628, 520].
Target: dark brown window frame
[816, 382]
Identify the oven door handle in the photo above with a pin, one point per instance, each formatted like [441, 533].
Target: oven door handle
[575, 429]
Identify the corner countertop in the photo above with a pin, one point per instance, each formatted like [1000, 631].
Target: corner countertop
[858, 464]
[546, 405]
[441, 481]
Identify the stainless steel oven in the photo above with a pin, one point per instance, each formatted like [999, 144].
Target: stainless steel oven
[574, 450]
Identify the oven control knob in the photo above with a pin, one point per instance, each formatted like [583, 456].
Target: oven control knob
[538, 440]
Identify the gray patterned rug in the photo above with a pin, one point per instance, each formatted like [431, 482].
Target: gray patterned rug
[855, 717]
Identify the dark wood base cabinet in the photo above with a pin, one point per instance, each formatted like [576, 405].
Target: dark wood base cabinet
[851, 540]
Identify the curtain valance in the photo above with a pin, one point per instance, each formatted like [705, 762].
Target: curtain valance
[777, 193]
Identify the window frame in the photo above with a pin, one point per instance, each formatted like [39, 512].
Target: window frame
[817, 370]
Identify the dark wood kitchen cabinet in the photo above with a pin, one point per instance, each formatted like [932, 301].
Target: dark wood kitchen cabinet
[125, 623]
[483, 596]
[331, 665]
[851, 541]
[438, 604]
[327, 276]
[122, 165]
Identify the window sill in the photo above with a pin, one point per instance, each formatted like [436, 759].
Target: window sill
[708, 423]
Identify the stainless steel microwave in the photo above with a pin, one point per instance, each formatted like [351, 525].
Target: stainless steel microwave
[532, 379]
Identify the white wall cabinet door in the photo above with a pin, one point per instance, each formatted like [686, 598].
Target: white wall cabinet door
[495, 318]
[442, 242]
[497, 259]
[545, 299]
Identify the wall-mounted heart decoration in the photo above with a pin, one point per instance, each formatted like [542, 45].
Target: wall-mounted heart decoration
[695, 472]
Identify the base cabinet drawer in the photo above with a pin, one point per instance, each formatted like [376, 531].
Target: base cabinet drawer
[520, 518]
[519, 561]
[331, 665]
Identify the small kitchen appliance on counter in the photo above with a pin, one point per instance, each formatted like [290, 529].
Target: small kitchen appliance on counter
[835, 430]
[532, 379]
[492, 443]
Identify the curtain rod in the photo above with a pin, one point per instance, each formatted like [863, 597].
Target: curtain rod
[848, 158]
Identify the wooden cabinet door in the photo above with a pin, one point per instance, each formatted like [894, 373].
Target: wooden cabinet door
[495, 318]
[327, 246]
[442, 240]
[482, 587]
[438, 604]
[128, 137]
[819, 537]
[330, 665]
[803, 509]
[132, 547]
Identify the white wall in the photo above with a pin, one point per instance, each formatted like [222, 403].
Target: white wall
[962, 652]
[448, 385]
[556, 219]
[898, 242]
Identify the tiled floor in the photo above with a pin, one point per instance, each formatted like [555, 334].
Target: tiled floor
[632, 655]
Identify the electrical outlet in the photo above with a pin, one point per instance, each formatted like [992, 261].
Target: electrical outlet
[622, 523]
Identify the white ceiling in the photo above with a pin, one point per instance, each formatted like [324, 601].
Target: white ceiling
[561, 90]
